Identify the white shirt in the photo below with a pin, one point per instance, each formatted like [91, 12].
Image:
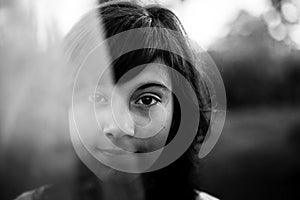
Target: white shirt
[205, 196]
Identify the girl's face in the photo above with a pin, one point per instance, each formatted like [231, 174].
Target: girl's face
[127, 118]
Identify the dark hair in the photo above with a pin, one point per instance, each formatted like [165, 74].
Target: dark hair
[117, 17]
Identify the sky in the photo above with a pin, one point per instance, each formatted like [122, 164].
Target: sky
[207, 20]
[204, 20]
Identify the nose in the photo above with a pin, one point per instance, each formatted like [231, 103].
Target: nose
[116, 121]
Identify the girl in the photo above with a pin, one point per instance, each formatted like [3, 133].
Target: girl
[137, 125]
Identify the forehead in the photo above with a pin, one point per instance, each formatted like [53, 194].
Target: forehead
[155, 72]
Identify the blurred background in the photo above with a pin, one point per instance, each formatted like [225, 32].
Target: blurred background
[256, 46]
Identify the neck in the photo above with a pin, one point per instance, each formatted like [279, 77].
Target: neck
[129, 190]
[171, 182]
[122, 186]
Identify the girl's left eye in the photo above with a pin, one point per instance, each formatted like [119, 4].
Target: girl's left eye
[148, 100]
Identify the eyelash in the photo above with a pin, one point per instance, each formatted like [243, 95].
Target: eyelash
[151, 96]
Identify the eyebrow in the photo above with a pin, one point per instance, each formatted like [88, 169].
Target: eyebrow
[152, 84]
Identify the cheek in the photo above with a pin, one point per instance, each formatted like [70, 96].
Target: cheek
[83, 119]
[156, 133]
[159, 140]
[149, 123]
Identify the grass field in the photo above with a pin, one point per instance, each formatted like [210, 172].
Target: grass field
[257, 156]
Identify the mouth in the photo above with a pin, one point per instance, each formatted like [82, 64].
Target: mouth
[114, 151]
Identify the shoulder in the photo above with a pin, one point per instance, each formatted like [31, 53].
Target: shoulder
[204, 196]
[36, 194]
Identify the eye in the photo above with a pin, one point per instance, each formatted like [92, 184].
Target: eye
[96, 98]
[148, 100]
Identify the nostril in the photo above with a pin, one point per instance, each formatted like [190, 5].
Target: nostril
[109, 135]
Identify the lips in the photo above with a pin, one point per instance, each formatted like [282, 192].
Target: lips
[124, 145]
[114, 151]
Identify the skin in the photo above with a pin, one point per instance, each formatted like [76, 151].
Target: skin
[123, 119]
